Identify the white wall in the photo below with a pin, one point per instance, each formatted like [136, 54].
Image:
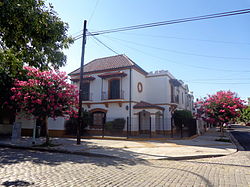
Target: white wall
[57, 124]
[136, 78]
[157, 91]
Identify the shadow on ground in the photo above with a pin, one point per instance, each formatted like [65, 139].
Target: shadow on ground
[14, 156]
[16, 183]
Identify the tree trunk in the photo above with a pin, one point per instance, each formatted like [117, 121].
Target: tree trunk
[46, 130]
[222, 130]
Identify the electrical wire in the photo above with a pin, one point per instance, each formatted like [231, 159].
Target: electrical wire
[218, 79]
[181, 52]
[196, 18]
[103, 43]
[93, 12]
[155, 24]
[220, 82]
[183, 38]
[176, 62]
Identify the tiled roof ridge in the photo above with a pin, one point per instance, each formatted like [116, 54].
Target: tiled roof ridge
[103, 58]
[95, 60]
[135, 64]
[130, 63]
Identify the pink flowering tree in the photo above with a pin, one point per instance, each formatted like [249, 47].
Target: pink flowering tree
[222, 107]
[45, 94]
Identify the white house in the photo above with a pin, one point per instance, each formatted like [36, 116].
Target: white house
[116, 87]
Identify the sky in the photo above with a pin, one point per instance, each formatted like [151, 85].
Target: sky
[208, 55]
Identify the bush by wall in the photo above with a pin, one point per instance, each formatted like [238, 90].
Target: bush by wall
[71, 124]
[182, 117]
[116, 125]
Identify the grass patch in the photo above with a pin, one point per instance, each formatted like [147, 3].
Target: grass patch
[223, 140]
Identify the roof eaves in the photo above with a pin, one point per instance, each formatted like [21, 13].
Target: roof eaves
[135, 65]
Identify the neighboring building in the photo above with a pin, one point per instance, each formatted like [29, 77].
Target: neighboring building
[116, 87]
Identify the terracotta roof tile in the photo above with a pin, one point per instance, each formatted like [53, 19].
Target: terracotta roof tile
[108, 63]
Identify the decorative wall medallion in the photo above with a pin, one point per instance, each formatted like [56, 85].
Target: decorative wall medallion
[139, 87]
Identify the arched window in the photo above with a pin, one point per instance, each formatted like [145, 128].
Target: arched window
[99, 118]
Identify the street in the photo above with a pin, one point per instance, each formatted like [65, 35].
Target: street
[242, 134]
[31, 168]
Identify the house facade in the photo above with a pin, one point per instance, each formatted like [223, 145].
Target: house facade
[116, 87]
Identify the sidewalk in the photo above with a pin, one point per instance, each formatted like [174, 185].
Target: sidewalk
[199, 147]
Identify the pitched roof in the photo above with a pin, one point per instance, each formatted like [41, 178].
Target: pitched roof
[108, 63]
[143, 105]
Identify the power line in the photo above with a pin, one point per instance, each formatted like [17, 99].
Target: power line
[103, 43]
[181, 52]
[155, 24]
[235, 79]
[220, 82]
[93, 12]
[183, 38]
[175, 62]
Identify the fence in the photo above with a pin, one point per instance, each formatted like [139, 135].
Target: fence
[139, 128]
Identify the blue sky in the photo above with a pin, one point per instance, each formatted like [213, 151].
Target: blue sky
[208, 55]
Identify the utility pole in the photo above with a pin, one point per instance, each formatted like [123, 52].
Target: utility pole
[78, 133]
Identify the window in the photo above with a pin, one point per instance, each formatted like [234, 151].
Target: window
[172, 93]
[85, 94]
[182, 98]
[114, 89]
[98, 118]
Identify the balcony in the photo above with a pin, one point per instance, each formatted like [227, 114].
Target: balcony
[106, 96]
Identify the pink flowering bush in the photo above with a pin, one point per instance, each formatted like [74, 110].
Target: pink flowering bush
[222, 107]
[45, 94]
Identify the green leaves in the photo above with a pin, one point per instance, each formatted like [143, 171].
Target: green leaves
[244, 115]
[34, 32]
[30, 34]
[182, 117]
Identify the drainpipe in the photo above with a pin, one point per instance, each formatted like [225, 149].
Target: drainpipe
[102, 95]
[130, 96]
[163, 122]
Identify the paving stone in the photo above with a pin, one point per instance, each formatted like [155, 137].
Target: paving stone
[55, 169]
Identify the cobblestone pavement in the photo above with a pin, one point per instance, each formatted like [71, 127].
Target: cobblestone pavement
[30, 168]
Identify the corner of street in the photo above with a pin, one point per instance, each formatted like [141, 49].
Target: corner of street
[201, 161]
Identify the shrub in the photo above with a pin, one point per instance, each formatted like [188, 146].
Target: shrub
[182, 117]
[115, 125]
[71, 124]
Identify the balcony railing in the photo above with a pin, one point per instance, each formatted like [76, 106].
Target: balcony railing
[106, 96]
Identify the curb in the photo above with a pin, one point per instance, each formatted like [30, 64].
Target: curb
[107, 156]
[140, 139]
[59, 151]
[235, 142]
[191, 157]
